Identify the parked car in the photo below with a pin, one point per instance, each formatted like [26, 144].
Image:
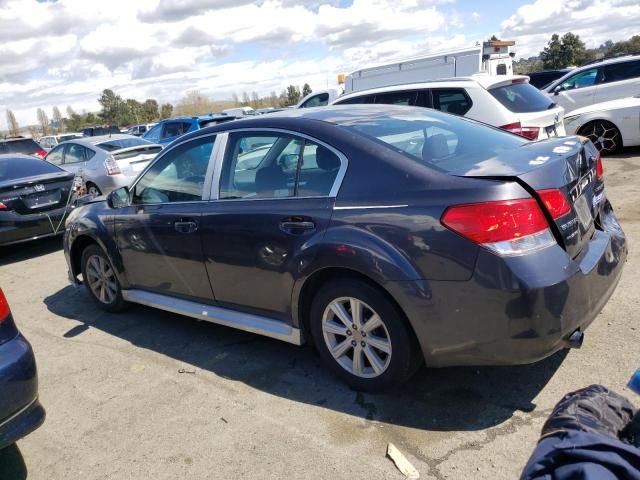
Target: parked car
[105, 162]
[167, 131]
[49, 141]
[20, 410]
[542, 79]
[510, 103]
[609, 125]
[23, 145]
[384, 235]
[597, 82]
[139, 130]
[33, 198]
[101, 130]
[239, 111]
[320, 98]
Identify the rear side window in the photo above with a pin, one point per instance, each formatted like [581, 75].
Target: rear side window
[397, 98]
[363, 99]
[319, 100]
[26, 146]
[75, 154]
[621, 71]
[174, 129]
[451, 100]
[14, 168]
[521, 98]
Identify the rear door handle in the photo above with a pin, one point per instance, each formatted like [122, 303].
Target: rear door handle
[185, 226]
[297, 227]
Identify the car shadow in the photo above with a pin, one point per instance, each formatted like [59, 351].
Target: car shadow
[435, 399]
[12, 466]
[627, 152]
[23, 251]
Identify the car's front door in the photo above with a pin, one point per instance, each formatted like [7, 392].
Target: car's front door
[158, 235]
[273, 204]
[578, 90]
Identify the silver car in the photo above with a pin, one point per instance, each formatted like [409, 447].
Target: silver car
[104, 162]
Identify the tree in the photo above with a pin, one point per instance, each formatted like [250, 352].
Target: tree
[494, 38]
[70, 111]
[255, 100]
[111, 106]
[292, 95]
[306, 90]
[165, 111]
[235, 99]
[43, 120]
[14, 128]
[273, 99]
[245, 99]
[628, 46]
[132, 113]
[552, 56]
[193, 103]
[150, 110]
[565, 51]
[58, 120]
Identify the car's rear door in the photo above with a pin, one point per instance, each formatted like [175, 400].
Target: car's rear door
[159, 234]
[269, 209]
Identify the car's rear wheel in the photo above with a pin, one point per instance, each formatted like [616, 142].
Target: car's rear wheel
[93, 190]
[362, 337]
[604, 135]
[100, 279]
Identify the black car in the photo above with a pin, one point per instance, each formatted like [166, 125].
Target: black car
[34, 197]
[541, 79]
[385, 235]
[20, 410]
[103, 130]
[26, 146]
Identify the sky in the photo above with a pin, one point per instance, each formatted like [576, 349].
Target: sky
[65, 52]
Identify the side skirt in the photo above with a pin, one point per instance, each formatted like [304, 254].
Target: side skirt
[229, 318]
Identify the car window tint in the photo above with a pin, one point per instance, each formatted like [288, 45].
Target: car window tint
[25, 145]
[397, 98]
[318, 171]
[616, 72]
[451, 101]
[362, 99]
[13, 168]
[521, 97]
[172, 129]
[259, 166]
[74, 154]
[584, 79]
[55, 155]
[454, 145]
[178, 176]
[319, 100]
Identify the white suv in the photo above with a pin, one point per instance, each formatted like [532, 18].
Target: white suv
[508, 103]
[597, 82]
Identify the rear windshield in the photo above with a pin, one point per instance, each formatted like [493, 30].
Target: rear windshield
[26, 145]
[117, 144]
[14, 168]
[522, 98]
[451, 145]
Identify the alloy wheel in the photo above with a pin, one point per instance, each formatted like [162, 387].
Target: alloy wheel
[605, 136]
[93, 191]
[101, 279]
[356, 337]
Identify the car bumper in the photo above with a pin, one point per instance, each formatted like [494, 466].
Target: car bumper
[16, 228]
[20, 409]
[515, 310]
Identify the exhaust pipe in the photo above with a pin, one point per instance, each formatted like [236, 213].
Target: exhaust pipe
[575, 339]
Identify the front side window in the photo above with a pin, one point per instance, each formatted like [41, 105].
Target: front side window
[175, 129]
[363, 99]
[55, 155]
[276, 166]
[588, 78]
[320, 100]
[177, 176]
[452, 100]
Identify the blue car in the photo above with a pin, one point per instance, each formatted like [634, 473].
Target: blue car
[167, 131]
[20, 409]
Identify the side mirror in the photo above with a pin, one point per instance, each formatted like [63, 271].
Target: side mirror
[557, 90]
[119, 198]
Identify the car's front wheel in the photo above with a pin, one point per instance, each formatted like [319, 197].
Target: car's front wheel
[100, 279]
[362, 337]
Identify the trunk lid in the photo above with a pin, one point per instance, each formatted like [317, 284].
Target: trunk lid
[36, 194]
[133, 160]
[567, 164]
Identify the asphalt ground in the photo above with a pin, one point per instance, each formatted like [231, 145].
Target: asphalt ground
[148, 394]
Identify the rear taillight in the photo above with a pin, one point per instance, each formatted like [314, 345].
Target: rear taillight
[3, 206]
[507, 227]
[4, 307]
[555, 202]
[112, 166]
[532, 133]
[41, 153]
[599, 166]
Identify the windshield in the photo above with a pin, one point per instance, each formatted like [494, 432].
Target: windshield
[27, 146]
[450, 144]
[117, 144]
[14, 168]
[522, 98]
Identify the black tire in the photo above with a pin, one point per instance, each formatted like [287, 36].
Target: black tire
[604, 135]
[92, 185]
[117, 304]
[405, 355]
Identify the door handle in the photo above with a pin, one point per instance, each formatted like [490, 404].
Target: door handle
[297, 227]
[185, 226]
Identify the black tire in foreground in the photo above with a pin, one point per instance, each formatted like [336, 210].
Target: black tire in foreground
[100, 279]
[362, 337]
